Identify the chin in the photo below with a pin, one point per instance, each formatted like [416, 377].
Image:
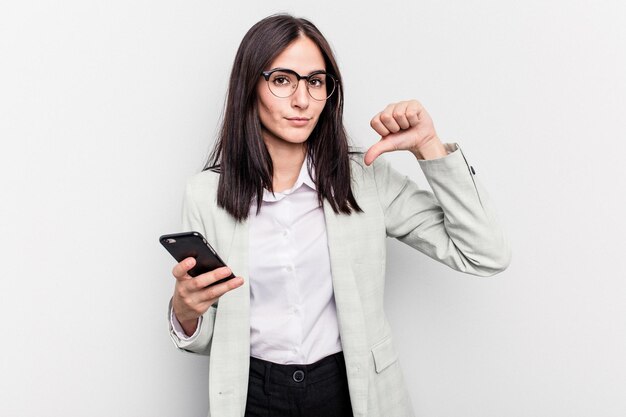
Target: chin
[292, 136]
[297, 137]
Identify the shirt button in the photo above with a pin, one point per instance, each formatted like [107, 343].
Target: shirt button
[286, 233]
[298, 376]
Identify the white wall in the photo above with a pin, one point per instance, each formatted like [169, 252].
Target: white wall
[107, 106]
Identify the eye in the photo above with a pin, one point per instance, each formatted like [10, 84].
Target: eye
[280, 80]
[317, 81]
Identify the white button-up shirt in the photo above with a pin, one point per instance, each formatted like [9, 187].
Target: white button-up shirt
[293, 319]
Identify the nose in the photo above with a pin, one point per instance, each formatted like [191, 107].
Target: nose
[300, 97]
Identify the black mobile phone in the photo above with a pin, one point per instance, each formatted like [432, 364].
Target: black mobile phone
[193, 244]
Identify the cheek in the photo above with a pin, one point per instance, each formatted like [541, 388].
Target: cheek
[265, 113]
[268, 111]
[319, 110]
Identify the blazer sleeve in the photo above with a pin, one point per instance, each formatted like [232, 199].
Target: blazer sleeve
[455, 224]
[200, 342]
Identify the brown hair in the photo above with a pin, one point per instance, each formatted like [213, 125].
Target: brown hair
[240, 154]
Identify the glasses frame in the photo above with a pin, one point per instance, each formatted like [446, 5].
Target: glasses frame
[267, 74]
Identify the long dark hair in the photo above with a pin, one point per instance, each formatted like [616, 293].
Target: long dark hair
[240, 154]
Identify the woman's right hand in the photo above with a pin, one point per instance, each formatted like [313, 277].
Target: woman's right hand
[192, 298]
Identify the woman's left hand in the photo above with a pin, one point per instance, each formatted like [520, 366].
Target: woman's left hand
[405, 126]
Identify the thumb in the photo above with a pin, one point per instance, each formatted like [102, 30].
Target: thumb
[378, 149]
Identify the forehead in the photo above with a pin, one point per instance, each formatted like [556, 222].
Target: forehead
[302, 55]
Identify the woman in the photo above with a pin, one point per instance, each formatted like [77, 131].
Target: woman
[302, 221]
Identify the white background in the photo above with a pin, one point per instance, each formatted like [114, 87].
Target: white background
[106, 107]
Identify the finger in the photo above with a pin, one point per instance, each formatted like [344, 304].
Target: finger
[208, 278]
[413, 112]
[180, 269]
[214, 292]
[388, 119]
[378, 126]
[399, 114]
[192, 291]
[377, 149]
[416, 113]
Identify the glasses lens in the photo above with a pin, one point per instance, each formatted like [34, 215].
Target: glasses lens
[321, 86]
[282, 84]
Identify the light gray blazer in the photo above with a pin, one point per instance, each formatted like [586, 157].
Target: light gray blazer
[455, 226]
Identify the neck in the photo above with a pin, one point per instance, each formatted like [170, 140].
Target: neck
[287, 160]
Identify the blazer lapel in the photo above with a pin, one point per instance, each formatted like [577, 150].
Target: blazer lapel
[228, 376]
[349, 310]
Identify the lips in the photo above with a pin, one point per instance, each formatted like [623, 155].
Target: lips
[298, 121]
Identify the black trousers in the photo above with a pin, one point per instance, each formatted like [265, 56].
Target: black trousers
[316, 390]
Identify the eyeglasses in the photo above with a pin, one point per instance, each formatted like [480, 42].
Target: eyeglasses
[283, 82]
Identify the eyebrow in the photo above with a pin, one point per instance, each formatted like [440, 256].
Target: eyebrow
[289, 69]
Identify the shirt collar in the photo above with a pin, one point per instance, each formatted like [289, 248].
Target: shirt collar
[303, 179]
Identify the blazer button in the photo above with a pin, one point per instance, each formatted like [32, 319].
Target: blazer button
[298, 376]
